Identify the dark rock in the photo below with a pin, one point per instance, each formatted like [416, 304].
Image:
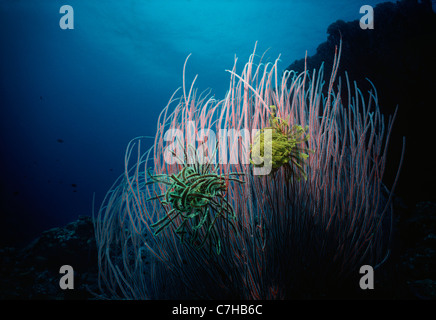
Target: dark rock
[398, 57]
[423, 289]
[417, 261]
[33, 272]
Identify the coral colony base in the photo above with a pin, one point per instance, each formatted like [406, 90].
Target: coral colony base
[273, 192]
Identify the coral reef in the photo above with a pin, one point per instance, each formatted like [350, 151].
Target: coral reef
[289, 236]
[33, 272]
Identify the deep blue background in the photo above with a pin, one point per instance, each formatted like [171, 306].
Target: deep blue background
[100, 85]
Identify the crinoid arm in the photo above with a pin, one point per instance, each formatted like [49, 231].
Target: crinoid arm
[194, 200]
[287, 145]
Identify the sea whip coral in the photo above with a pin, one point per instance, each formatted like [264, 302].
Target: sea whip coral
[286, 237]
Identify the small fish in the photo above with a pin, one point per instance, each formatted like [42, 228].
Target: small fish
[60, 140]
[74, 185]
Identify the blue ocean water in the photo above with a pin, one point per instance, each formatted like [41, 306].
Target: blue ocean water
[71, 100]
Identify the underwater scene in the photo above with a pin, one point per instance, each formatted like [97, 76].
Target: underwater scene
[188, 150]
